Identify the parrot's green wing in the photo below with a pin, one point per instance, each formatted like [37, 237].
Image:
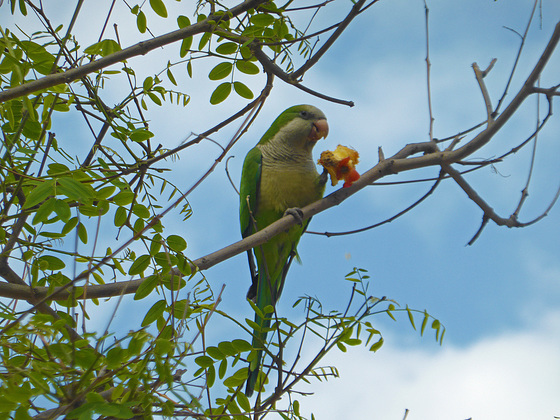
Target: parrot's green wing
[249, 193]
[249, 190]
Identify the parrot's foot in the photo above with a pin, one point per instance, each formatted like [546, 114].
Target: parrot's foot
[252, 293]
[324, 177]
[296, 213]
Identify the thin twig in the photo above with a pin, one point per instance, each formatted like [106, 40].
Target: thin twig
[479, 74]
[428, 66]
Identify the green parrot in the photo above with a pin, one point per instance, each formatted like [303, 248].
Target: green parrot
[279, 176]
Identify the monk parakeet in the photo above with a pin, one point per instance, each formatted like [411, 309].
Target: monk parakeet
[279, 175]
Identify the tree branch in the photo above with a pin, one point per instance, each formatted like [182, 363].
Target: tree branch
[140, 48]
[403, 160]
[355, 11]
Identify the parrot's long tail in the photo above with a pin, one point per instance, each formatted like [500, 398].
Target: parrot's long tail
[259, 340]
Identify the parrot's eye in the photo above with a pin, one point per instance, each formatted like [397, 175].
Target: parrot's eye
[304, 114]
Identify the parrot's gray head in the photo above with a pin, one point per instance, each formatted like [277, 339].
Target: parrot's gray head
[298, 128]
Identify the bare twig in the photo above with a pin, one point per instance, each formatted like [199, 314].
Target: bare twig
[428, 67]
[480, 75]
[523, 38]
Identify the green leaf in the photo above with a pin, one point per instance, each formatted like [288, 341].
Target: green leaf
[247, 67]
[376, 346]
[221, 71]
[410, 317]
[165, 260]
[204, 361]
[182, 309]
[176, 243]
[222, 369]
[44, 211]
[82, 233]
[155, 312]
[227, 48]
[183, 21]
[147, 84]
[221, 93]
[75, 190]
[94, 210]
[140, 135]
[163, 346]
[215, 353]
[171, 77]
[141, 211]
[227, 348]
[6, 405]
[155, 99]
[242, 90]
[57, 168]
[139, 265]
[189, 69]
[159, 7]
[241, 345]
[268, 309]
[295, 406]
[141, 22]
[424, 323]
[256, 309]
[243, 402]
[103, 48]
[146, 287]
[183, 265]
[210, 376]
[40, 193]
[120, 216]
[115, 357]
[262, 20]
[237, 378]
[353, 341]
[105, 192]
[204, 40]
[185, 47]
[41, 59]
[62, 210]
[50, 262]
[32, 130]
[388, 311]
[123, 198]
[109, 47]
[70, 225]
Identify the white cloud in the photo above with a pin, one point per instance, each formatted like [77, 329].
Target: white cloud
[510, 376]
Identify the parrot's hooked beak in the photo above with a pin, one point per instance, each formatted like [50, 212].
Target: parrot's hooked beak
[319, 130]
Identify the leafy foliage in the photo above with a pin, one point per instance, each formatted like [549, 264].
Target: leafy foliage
[59, 206]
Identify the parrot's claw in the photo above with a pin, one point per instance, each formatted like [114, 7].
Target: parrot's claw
[324, 177]
[296, 213]
[252, 293]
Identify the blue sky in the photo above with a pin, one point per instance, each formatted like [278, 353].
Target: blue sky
[498, 298]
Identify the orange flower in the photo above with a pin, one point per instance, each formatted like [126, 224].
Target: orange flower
[341, 164]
